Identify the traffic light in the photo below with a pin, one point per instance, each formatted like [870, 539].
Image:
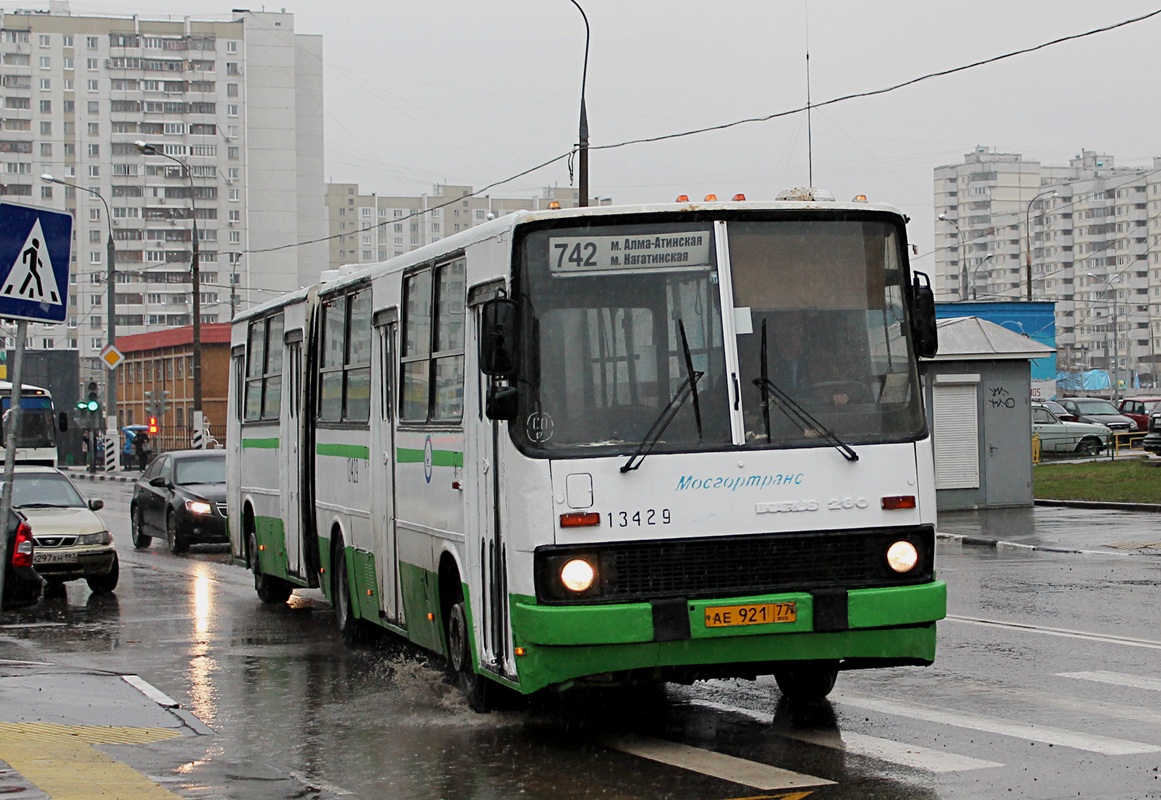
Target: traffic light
[93, 402]
[153, 426]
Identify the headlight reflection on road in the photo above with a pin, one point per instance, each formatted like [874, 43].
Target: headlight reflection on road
[202, 666]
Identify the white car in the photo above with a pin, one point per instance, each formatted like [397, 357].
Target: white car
[1058, 436]
[70, 541]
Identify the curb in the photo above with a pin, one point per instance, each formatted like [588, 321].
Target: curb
[102, 476]
[997, 544]
[1100, 505]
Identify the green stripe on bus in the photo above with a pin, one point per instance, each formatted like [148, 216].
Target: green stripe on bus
[361, 452]
[439, 458]
[260, 444]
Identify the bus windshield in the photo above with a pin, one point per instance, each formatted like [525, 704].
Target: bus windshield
[36, 422]
[813, 320]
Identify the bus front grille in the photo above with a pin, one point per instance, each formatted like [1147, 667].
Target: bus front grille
[733, 566]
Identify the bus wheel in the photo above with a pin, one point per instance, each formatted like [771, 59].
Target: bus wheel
[351, 629]
[270, 589]
[476, 688]
[806, 681]
[140, 539]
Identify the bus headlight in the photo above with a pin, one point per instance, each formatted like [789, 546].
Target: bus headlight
[902, 556]
[577, 575]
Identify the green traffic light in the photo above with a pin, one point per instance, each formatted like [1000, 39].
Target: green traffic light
[92, 405]
[82, 405]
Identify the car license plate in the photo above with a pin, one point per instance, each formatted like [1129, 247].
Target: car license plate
[752, 614]
[54, 558]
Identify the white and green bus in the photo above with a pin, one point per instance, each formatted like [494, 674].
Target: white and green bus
[605, 445]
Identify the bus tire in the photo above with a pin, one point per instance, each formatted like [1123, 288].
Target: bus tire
[476, 688]
[271, 590]
[140, 539]
[806, 681]
[352, 630]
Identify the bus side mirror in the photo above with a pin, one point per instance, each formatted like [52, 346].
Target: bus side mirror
[501, 403]
[923, 328]
[498, 338]
[62, 421]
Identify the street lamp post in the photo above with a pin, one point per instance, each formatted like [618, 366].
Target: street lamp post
[1115, 363]
[583, 146]
[963, 274]
[1028, 232]
[110, 297]
[975, 271]
[195, 282]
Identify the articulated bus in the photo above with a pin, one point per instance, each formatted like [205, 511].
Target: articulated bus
[36, 438]
[604, 446]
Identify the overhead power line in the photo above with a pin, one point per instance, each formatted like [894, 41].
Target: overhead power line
[747, 121]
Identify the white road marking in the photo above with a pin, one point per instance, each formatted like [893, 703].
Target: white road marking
[716, 765]
[1065, 632]
[1019, 730]
[902, 753]
[1115, 679]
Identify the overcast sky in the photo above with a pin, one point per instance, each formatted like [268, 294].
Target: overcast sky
[420, 92]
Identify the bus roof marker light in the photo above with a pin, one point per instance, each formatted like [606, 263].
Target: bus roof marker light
[897, 502]
[859, 198]
[710, 198]
[902, 556]
[682, 198]
[553, 205]
[739, 197]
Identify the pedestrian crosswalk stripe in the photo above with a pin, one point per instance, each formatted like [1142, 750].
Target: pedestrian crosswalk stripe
[716, 765]
[1092, 743]
[901, 753]
[1116, 679]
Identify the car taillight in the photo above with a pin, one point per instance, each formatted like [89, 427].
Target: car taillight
[22, 551]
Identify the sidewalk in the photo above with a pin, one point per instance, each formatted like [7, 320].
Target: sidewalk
[1050, 526]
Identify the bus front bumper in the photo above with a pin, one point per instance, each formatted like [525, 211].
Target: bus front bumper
[677, 640]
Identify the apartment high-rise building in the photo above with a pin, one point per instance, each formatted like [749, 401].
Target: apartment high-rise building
[366, 228]
[235, 106]
[1084, 236]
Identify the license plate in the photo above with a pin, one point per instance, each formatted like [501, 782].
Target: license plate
[752, 614]
[54, 558]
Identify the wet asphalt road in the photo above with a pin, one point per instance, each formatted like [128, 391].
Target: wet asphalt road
[1047, 685]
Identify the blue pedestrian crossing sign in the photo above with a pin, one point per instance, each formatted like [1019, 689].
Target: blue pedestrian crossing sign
[35, 250]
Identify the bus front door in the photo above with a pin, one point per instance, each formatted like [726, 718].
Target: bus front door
[382, 469]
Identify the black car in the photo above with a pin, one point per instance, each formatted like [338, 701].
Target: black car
[22, 583]
[181, 496]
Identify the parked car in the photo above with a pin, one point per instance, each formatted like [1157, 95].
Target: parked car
[70, 540]
[1138, 409]
[22, 583]
[1059, 436]
[1060, 411]
[1152, 440]
[1099, 410]
[181, 496]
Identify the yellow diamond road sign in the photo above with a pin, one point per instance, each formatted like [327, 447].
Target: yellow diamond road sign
[112, 356]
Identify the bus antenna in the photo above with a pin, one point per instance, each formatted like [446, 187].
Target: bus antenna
[809, 130]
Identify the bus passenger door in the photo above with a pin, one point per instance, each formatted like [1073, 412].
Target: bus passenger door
[383, 470]
[485, 542]
[290, 456]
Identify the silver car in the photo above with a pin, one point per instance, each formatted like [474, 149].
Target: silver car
[1058, 436]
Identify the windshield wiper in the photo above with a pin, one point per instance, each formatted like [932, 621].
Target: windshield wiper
[798, 414]
[688, 387]
[793, 410]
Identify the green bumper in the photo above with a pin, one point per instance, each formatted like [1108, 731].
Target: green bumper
[563, 643]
